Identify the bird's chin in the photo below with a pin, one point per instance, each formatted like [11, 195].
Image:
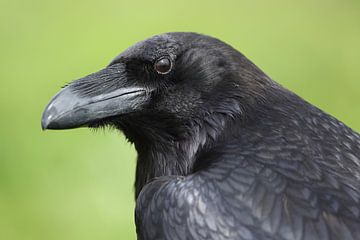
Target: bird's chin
[99, 124]
[110, 122]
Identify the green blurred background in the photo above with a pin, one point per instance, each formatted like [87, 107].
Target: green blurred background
[77, 184]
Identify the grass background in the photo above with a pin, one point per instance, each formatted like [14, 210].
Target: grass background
[77, 184]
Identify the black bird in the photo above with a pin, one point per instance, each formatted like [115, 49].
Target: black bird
[224, 152]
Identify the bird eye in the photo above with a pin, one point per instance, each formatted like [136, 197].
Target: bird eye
[163, 65]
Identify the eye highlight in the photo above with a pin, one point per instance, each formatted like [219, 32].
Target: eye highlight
[163, 65]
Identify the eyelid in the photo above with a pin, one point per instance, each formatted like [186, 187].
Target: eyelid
[162, 57]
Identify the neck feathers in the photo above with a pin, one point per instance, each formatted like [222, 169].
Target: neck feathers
[168, 147]
[168, 155]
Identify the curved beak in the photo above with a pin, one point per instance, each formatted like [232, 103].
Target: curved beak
[104, 94]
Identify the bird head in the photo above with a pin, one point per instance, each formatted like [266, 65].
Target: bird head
[170, 78]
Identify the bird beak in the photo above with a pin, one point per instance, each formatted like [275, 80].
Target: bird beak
[104, 94]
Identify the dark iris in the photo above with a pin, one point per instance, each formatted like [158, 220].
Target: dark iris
[163, 66]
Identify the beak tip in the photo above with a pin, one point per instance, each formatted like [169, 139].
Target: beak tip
[45, 121]
[44, 125]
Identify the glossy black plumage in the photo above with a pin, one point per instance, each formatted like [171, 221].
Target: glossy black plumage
[290, 174]
[224, 152]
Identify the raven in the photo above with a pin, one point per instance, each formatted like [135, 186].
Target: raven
[224, 152]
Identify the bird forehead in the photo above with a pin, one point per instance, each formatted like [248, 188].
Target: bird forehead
[152, 48]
